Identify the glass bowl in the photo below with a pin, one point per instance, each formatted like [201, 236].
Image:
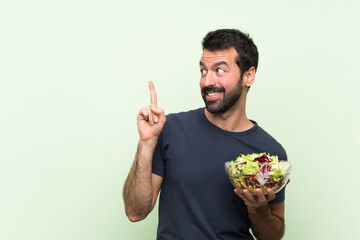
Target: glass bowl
[270, 175]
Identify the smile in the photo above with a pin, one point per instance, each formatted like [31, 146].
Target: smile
[211, 96]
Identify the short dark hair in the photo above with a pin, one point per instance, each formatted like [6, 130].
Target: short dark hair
[222, 39]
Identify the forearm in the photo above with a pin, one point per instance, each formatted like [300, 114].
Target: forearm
[138, 192]
[265, 225]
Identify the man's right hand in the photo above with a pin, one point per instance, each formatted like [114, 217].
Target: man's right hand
[151, 119]
[142, 187]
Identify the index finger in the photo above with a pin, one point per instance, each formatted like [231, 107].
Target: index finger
[152, 93]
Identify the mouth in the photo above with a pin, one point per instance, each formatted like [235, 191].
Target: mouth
[212, 93]
[212, 96]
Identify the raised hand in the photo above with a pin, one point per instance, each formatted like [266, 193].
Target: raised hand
[151, 119]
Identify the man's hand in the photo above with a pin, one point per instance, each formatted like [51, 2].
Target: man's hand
[142, 187]
[258, 200]
[151, 119]
[267, 220]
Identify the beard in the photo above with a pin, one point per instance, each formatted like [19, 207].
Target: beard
[229, 98]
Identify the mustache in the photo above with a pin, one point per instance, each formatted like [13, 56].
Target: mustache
[212, 89]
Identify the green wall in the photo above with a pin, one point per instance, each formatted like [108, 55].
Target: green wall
[73, 75]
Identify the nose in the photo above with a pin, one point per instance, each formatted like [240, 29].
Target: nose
[209, 80]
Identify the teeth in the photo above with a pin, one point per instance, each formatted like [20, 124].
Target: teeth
[212, 94]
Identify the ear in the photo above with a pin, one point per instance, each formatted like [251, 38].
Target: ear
[249, 77]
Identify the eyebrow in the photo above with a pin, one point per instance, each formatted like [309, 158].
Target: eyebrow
[215, 64]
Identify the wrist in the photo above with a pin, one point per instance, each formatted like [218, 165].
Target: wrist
[148, 143]
[146, 146]
[260, 211]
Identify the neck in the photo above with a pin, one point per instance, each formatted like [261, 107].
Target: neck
[233, 120]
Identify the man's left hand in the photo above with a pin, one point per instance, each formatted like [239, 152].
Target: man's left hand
[255, 201]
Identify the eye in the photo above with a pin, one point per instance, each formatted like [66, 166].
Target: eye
[220, 70]
[203, 71]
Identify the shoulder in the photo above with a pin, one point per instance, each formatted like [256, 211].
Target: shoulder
[265, 134]
[183, 117]
[184, 114]
[272, 145]
[182, 120]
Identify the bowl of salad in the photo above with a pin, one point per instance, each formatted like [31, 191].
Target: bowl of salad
[258, 170]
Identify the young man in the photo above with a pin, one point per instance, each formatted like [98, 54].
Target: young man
[185, 157]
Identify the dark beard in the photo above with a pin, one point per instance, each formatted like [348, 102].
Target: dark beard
[230, 98]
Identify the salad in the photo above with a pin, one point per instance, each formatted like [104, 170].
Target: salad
[258, 170]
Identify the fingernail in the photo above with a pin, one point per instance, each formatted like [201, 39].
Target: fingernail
[156, 119]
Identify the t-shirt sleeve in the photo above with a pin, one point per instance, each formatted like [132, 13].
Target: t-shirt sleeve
[280, 196]
[158, 166]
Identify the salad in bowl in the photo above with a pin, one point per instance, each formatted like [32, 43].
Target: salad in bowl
[258, 170]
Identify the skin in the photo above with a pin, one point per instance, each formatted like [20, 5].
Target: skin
[219, 71]
[226, 75]
[142, 186]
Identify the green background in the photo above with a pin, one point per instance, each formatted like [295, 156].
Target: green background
[73, 75]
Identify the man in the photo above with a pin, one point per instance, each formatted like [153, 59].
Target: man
[185, 157]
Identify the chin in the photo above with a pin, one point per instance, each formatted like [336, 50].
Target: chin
[215, 109]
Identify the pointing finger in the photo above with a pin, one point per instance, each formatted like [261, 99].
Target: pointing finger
[152, 93]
